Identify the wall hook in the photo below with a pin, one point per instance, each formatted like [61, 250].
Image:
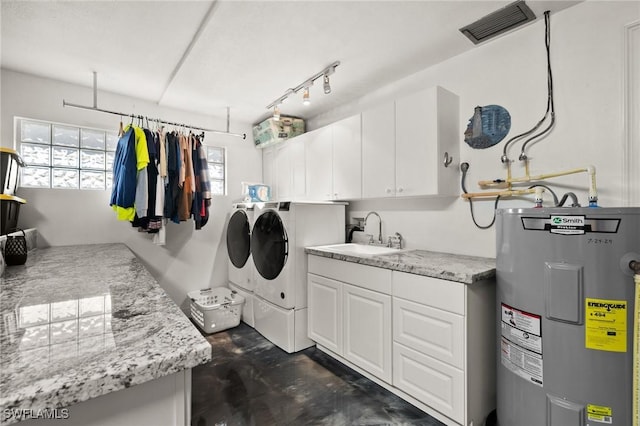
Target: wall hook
[447, 159]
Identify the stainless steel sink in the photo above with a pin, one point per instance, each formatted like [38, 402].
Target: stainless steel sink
[358, 249]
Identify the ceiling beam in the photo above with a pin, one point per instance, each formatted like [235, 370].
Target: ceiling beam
[196, 36]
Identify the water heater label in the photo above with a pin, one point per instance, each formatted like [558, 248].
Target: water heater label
[600, 414]
[606, 325]
[567, 225]
[521, 343]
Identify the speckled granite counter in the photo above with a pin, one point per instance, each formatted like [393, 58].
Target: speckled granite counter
[83, 321]
[446, 266]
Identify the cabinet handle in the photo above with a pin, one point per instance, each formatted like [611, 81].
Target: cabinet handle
[400, 189]
[448, 159]
[388, 191]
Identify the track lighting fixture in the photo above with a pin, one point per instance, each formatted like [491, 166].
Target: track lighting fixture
[327, 86]
[325, 73]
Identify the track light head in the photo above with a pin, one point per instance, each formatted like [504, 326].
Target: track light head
[327, 86]
[276, 113]
[305, 97]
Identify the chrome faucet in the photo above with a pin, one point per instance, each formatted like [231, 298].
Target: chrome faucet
[379, 225]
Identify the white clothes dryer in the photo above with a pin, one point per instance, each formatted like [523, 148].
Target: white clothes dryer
[279, 236]
[240, 266]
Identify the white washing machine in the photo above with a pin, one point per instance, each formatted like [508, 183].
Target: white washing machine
[280, 233]
[240, 265]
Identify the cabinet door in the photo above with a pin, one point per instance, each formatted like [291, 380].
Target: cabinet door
[378, 151]
[367, 330]
[325, 312]
[426, 123]
[298, 164]
[284, 170]
[269, 169]
[416, 144]
[318, 154]
[347, 159]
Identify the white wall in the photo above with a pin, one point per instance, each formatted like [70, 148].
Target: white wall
[191, 259]
[587, 57]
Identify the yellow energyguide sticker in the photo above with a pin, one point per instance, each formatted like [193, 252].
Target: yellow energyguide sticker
[606, 325]
[598, 413]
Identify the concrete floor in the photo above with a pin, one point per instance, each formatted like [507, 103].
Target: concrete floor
[250, 381]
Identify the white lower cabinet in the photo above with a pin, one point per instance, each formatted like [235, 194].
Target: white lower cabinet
[350, 313]
[367, 330]
[325, 312]
[429, 341]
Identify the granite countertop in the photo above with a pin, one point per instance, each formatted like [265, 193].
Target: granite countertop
[83, 321]
[446, 266]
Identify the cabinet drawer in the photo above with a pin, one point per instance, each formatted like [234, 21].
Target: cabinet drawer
[434, 292]
[431, 331]
[430, 381]
[369, 277]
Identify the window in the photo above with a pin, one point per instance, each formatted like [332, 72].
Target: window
[216, 165]
[65, 156]
[74, 157]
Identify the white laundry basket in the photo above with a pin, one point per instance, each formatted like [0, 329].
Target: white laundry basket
[215, 309]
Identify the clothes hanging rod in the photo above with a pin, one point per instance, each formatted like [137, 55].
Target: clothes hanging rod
[157, 120]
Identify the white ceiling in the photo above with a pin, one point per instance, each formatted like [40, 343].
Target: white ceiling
[203, 56]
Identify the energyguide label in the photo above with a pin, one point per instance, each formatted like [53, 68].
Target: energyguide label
[606, 325]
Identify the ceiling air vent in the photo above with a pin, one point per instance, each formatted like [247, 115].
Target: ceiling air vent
[498, 22]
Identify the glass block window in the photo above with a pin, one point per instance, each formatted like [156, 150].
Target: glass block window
[216, 162]
[65, 156]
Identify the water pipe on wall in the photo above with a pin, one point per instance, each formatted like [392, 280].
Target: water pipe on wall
[508, 190]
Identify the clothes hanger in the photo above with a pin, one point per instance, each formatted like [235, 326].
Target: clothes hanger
[120, 128]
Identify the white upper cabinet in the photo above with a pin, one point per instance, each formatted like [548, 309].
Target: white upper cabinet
[397, 149]
[378, 152]
[290, 170]
[404, 145]
[347, 159]
[298, 168]
[333, 161]
[318, 153]
[427, 130]
[283, 168]
[269, 169]
[283, 171]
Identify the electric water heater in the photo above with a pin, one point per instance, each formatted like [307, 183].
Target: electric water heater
[565, 316]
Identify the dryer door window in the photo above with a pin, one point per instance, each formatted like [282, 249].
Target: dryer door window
[269, 245]
[238, 239]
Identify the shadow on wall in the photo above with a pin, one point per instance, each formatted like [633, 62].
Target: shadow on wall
[218, 275]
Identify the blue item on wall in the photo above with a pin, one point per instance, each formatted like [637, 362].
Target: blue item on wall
[488, 126]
